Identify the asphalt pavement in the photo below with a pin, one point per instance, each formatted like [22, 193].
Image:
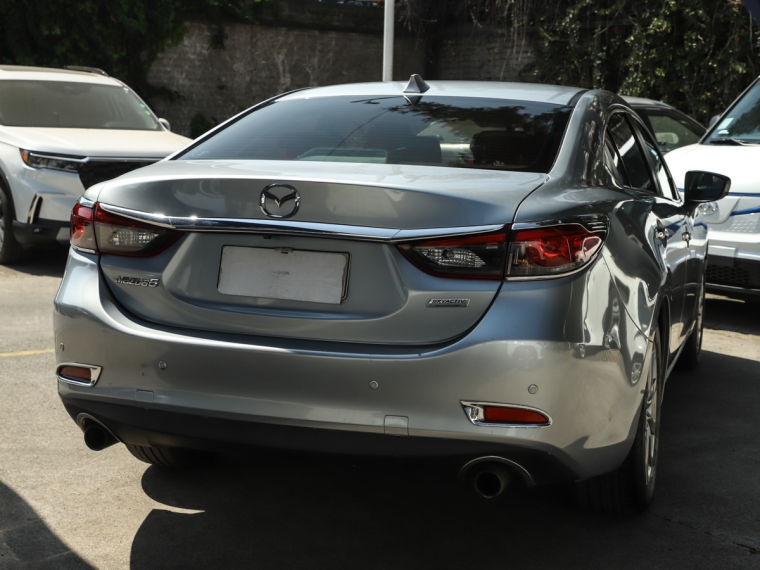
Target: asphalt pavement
[63, 506]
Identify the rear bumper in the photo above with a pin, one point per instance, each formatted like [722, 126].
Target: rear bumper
[215, 389]
[151, 427]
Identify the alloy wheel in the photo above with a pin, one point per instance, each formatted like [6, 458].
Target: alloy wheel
[700, 317]
[651, 427]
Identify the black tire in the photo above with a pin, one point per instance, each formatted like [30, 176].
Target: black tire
[692, 350]
[630, 488]
[10, 249]
[171, 457]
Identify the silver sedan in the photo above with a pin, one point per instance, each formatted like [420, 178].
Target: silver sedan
[499, 272]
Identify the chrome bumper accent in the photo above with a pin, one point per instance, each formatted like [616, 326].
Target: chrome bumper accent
[94, 374]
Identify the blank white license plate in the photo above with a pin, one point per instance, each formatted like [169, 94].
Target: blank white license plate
[283, 273]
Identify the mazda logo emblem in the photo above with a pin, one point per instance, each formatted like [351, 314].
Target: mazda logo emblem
[280, 201]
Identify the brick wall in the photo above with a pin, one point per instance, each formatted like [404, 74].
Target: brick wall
[260, 61]
[302, 43]
[482, 54]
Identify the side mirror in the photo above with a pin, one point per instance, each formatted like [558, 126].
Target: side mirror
[166, 124]
[701, 187]
[713, 120]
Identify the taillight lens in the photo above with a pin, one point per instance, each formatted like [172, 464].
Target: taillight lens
[468, 257]
[121, 236]
[96, 231]
[551, 250]
[82, 232]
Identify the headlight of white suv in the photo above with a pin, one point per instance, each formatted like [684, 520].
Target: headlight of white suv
[65, 163]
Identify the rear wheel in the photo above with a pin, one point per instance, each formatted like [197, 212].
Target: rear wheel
[692, 350]
[630, 488]
[172, 457]
[10, 249]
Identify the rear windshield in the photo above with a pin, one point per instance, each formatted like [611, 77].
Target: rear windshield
[741, 124]
[434, 131]
[63, 104]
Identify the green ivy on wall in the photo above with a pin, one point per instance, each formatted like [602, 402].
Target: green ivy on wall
[697, 55]
[122, 37]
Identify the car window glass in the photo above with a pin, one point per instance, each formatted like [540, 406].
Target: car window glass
[658, 165]
[741, 124]
[77, 105]
[634, 162]
[672, 132]
[461, 132]
[612, 162]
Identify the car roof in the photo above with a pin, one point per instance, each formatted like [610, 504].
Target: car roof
[16, 72]
[533, 92]
[644, 102]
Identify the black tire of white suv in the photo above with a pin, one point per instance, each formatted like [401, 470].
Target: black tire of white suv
[10, 249]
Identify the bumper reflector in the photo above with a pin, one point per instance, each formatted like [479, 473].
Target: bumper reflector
[499, 415]
[79, 374]
[488, 414]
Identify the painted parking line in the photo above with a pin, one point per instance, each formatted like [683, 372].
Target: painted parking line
[27, 352]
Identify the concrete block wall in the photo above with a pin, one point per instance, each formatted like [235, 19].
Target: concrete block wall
[260, 61]
[482, 54]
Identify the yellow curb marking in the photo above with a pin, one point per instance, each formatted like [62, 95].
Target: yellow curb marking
[27, 352]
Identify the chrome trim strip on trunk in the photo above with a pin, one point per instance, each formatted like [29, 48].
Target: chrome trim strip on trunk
[317, 229]
[592, 223]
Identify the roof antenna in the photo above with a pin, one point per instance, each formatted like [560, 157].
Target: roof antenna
[416, 85]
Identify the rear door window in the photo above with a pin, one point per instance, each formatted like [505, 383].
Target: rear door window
[613, 163]
[632, 157]
[657, 163]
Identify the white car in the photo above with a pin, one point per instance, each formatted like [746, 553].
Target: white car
[731, 147]
[61, 131]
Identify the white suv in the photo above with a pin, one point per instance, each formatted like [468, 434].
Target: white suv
[731, 147]
[61, 131]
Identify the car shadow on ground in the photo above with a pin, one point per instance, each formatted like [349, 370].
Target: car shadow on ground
[722, 313]
[27, 542]
[44, 262]
[274, 510]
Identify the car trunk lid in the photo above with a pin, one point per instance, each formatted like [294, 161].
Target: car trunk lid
[349, 214]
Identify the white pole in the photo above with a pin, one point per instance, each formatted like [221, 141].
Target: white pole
[388, 41]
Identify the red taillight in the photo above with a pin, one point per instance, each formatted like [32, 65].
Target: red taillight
[96, 231]
[82, 233]
[468, 257]
[118, 235]
[551, 250]
[513, 416]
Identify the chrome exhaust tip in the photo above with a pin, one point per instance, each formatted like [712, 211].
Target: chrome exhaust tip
[491, 481]
[491, 475]
[97, 438]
